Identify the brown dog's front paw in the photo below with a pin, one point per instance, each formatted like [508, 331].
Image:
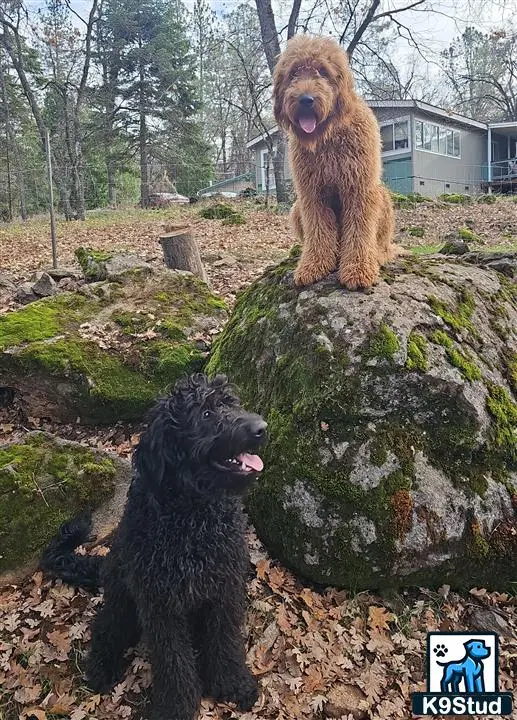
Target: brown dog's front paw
[358, 277]
[309, 274]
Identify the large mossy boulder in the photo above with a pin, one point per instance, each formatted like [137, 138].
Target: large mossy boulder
[45, 481]
[104, 353]
[392, 458]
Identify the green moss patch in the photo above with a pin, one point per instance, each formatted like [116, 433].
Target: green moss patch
[416, 352]
[90, 259]
[461, 359]
[42, 484]
[57, 346]
[458, 317]
[384, 343]
[504, 411]
[43, 319]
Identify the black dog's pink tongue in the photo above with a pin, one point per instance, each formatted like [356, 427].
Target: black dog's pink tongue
[307, 123]
[251, 461]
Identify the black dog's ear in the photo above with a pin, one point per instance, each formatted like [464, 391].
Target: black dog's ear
[158, 453]
[219, 380]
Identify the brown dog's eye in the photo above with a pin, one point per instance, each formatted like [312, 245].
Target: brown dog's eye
[322, 72]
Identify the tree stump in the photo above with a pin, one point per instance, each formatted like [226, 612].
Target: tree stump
[181, 252]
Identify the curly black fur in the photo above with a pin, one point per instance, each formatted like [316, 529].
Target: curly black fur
[177, 567]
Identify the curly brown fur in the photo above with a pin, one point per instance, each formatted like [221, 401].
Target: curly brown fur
[343, 215]
[176, 571]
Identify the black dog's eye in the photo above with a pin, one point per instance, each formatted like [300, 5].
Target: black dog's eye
[207, 413]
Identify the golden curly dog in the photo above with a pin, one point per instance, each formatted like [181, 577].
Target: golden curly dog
[343, 214]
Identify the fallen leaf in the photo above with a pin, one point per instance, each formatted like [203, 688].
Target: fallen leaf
[27, 694]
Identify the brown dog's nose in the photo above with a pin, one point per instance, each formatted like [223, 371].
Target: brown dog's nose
[306, 100]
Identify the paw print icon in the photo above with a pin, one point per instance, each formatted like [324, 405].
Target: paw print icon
[440, 650]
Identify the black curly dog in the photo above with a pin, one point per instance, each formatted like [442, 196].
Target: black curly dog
[177, 567]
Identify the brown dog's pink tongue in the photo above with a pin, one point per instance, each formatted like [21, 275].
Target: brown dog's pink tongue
[251, 461]
[307, 123]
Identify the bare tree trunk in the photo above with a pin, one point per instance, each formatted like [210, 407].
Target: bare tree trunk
[5, 102]
[282, 196]
[144, 160]
[12, 146]
[13, 44]
[112, 182]
[144, 157]
[271, 44]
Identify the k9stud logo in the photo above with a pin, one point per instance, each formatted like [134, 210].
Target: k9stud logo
[462, 677]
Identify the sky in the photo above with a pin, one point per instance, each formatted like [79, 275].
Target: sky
[434, 30]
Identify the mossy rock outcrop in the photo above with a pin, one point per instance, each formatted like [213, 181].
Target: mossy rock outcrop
[45, 481]
[104, 353]
[392, 458]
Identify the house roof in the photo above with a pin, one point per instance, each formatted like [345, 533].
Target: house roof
[429, 109]
[260, 138]
[503, 127]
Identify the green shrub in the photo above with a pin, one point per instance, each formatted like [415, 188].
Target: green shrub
[418, 198]
[402, 201]
[219, 211]
[455, 198]
[467, 234]
[248, 192]
[416, 232]
[487, 199]
[235, 219]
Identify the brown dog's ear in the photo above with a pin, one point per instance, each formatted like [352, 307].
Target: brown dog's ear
[278, 95]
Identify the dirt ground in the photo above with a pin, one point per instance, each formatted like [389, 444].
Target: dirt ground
[317, 652]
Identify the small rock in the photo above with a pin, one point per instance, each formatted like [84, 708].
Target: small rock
[229, 260]
[70, 283]
[504, 266]
[44, 286]
[455, 247]
[344, 700]
[487, 620]
[6, 283]
[61, 272]
[24, 294]
[121, 263]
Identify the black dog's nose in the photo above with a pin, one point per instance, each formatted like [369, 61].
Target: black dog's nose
[306, 100]
[258, 428]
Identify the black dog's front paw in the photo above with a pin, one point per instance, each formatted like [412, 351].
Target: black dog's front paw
[242, 689]
[99, 679]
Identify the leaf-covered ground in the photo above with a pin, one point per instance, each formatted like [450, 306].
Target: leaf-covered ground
[318, 653]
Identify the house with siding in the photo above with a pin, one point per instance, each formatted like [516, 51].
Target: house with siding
[430, 151]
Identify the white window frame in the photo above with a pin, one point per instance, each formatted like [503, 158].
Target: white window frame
[263, 166]
[441, 127]
[398, 151]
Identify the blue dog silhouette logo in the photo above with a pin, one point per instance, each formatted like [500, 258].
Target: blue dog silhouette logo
[469, 670]
[462, 677]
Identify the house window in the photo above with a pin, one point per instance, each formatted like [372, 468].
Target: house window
[437, 139]
[395, 136]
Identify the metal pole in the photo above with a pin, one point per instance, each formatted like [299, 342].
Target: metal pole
[489, 156]
[51, 202]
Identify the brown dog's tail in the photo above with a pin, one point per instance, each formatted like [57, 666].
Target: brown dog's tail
[60, 560]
